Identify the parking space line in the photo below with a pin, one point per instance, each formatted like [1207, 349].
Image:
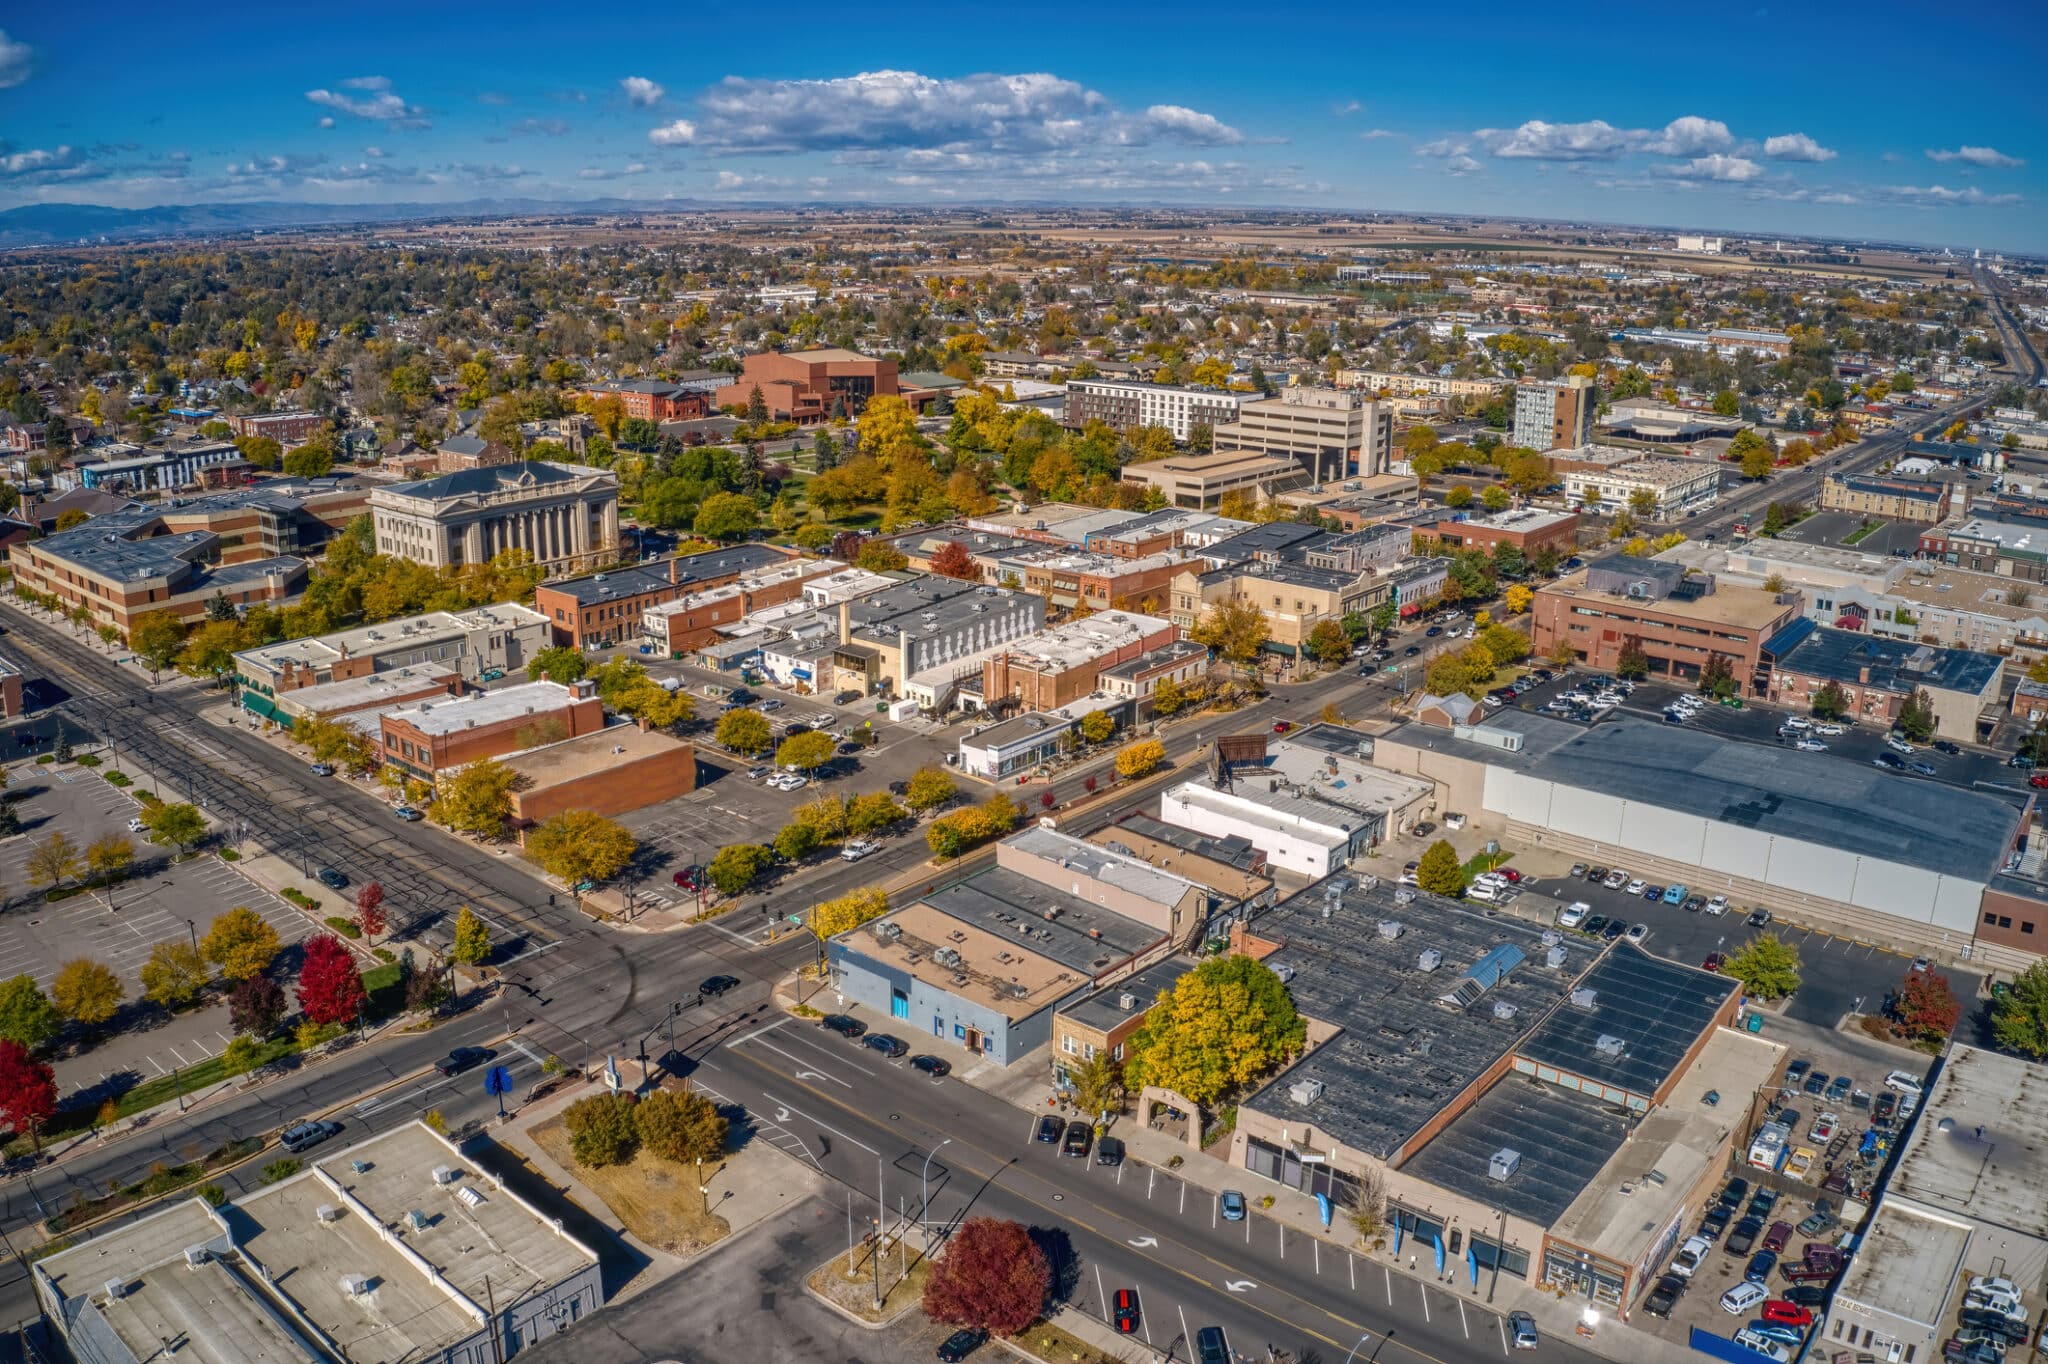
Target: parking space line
[1425, 1302]
[1462, 1321]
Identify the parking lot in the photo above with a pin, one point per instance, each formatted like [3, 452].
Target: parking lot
[120, 925]
[1834, 528]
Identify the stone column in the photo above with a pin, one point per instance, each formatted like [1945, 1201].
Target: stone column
[473, 543]
[611, 523]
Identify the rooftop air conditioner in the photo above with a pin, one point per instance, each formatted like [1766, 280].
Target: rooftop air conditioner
[355, 1285]
[1555, 957]
[1585, 997]
[1610, 1046]
[117, 1288]
[1503, 1164]
[327, 1212]
[1429, 959]
[1391, 929]
[196, 1256]
[443, 1175]
[1305, 1092]
[1505, 1011]
[1285, 972]
[1127, 1001]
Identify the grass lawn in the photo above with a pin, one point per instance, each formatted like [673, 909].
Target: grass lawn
[655, 1199]
[1861, 533]
[1480, 862]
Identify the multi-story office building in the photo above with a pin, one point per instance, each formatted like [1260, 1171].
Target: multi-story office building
[1528, 529]
[1678, 485]
[1417, 385]
[1901, 499]
[1553, 415]
[564, 515]
[286, 428]
[1124, 403]
[1332, 433]
[811, 386]
[502, 637]
[1055, 667]
[1678, 620]
[653, 400]
[1293, 596]
[1198, 482]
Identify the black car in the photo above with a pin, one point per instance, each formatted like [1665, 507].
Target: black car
[1212, 1346]
[1615, 928]
[1411, 651]
[961, 1344]
[844, 1026]
[931, 1065]
[1796, 1072]
[1049, 1129]
[1804, 1294]
[1887, 1106]
[1665, 1296]
[1742, 1239]
[1767, 1199]
[1080, 1136]
[1889, 761]
[330, 878]
[1593, 926]
[1714, 1223]
[1760, 1266]
[1125, 1311]
[461, 1059]
[1945, 746]
[1109, 1151]
[1816, 1081]
[1433, 631]
[1734, 1192]
[1758, 917]
[846, 696]
[887, 1045]
[717, 986]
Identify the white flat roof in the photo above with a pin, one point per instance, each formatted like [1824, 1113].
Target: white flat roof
[1906, 1263]
[1980, 1148]
[486, 708]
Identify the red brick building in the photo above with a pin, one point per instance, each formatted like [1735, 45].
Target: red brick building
[439, 736]
[811, 386]
[651, 399]
[1527, 529]
[609, 608]
[1056, 666]
[286, 428]
[611, 771]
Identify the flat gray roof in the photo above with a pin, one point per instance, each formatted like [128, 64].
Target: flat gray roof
[1233, 850]
[1401, 1055]
[1564, 1139]
[1103, 1010]
[1122, 870]
[1979, 1149]
[1815, 797]
[1656, 1008]
[1087, 937]
[1906, 1263]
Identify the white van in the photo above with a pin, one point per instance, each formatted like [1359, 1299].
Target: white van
[1743, 1297]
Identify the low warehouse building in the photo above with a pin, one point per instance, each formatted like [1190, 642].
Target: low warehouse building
[616, 770]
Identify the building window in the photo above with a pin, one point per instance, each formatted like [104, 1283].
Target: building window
[1067, 1045]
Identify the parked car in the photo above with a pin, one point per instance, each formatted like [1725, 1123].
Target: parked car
[1124, 1311]
[1741, 1298]
[408, 814]
[1758, 917]
[461, 1059]
[1675, 894]
[1615, 879]
[1838, 1089]
[1823, 1129]
[961, 1344]
[1718, 905]
[1816, 1081]
[323, 769]
[1690, 1256]
[1904, 1081]
[1615, 928]
[1522, 1329]
[1777, 1236]
[1230, 1203]
[1637, 887]
[312, 1132]
[1890, 761]
[1733, 1192]
[1594, 926]
[1079, 1138]
[1574, 914]
[844, 1026]
[1637, 932]
[887, 1044]
[1713, 961]
[933, 1066]
[1212, 1346]
[1715, 1222]
[330, 878]
[1897, 745]
[1670, 1288]
[1886, 1107]
[1109, 1151]
[1742, 1240]
[1796, 1072]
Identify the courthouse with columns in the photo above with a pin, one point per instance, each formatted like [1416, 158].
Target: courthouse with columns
[565, 515]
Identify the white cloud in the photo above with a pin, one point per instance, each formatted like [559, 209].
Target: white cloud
[326, 121]
[16, 61]
[1989, 157]
[1690, 136]
[1345, 108]
[1444, 146]
[1374, 134]
[890, 110]
[602, 173]
[287, 163]
[1597, 140]
[377, 101]
[1716, 167]
[1461, 165]
[39, 162]
[641, 92]
[1836, 197]
[1931, 196]
[1796, 147]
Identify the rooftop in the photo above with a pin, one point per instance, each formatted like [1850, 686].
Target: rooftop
[1226, 881]
[484, 708]
[992, 969]
[1905, 1264]
[1104, 1009]
[1980, 1147]
[1305, 818]
[1893, 664]
[1521, 520]
[1401, 1055]
[1059, 648]
[1747, 607]
[1271, 538]
[409, 632]
[1564, 1138]
[374, 689]
[654, 577]
[1231, 850]
[492, 478]
[1164, 656]
[1125, 871]
[589, 754]
[2029, 540]
[1219, 464]
[1656, 1008]
[1087, 938]
[1837, 803]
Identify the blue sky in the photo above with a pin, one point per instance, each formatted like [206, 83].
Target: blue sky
[1802, 118]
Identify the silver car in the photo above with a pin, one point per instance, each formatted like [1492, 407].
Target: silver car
[1522, 1327]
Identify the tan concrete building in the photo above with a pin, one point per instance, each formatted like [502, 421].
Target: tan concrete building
[1677, 620]
[1677, 485]
[1294, 597]
[566, 516]
[1896, 499]
[1200, 481]
[1332, 433]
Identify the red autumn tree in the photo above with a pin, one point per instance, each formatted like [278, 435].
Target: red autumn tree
[330, 990]
[992, 1275]
[951, 560]
[1927, 1006]
[28, 1091]
[370, 910]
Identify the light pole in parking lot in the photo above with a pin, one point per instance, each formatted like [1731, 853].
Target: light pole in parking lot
[925, 1192]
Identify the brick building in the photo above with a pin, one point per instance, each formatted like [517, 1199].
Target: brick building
[1072, 578]
[1124, 403]
[1056, 666]
[439, 736]
[468, 450]
[286, 428]
[1332, 433]
[611, 771]
[653, 400]
[1677, 619]
[812, 386]
[1550, 415]
[1877, 675]
[1528, 530]
[609, 608]
[695, 618]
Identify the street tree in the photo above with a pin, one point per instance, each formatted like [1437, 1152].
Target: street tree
[1136, 759]
[1926, 1006]
[830, 918]
[929, 788]
[472, 945]
[806, 752]
[1214, 1031]
[330, 987]
[683, 1128]
[1767, 966]
[1235, 630]
[1439, 871]
[2019, 1015]
[1329, 642]
[1916, 716]
[256, 1006]
[1098, 1083]
[109, 858]
[796, 840]
[743, 731]
[241, 943]
[28, 1092]
[1717, 675]
[176, 823]
[53, 861]
[156, 638]
[174, 974]
[26, 1015]
[601, 1130]
[1097, 725]
[1496, 498]
[1631, 662]
[370, 914]
[871, 812]
[86, 991]
[557, 663]
[735, 867]
[992, 1275]
[578, 846]
[1830, 701]
[476, 799]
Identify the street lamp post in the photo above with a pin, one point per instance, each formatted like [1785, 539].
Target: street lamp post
[925, 1192]
[1363, 1337]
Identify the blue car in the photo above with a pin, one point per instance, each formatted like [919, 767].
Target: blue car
[1675, 895]
[1231, 1204]
[1760, 1266]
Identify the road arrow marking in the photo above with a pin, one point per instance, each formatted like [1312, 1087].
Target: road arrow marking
[1239, 1285]
[1142, 1241]
[782, 1115]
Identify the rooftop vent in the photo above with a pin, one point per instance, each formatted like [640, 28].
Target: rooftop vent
[1429, 960]
[1505, 1011]
[469, 1196]
[1127, 1001]
[1285, 972]
[361, 1167]
[327, 1212]
[444, 1175]
[355, 1285]
[418, 1219]
[946, 956]
[1391, 929]
[1551, 937]
[1404, 895]
[117, 1288]
[1610, 1046]
[1585, 997]
[1503, 1164]
[196, 1256]
[1305, 1092]
[1555, 957]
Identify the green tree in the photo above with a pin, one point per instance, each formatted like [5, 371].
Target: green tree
[832, 917]
[240, 943]
[472, 944]
[156, 639]
[1235, 630]
[683, 1128]
[85, 991]
[559, 663]
[807, 752]
[727, 516]
[1916, 716]
[1726, 404]
[242, 1054]
[602, 1130]
[1632, 662]
[2019, 1014]
[738, 865]
[929, 788]
[743, 731]
[1643, 503]
[1495, 498]
[26, 1014]
[178, 824]
[1717, 676]
[1439, 871]
[797, 840]
[576, 846]
[1098, 1083]
[174, 974]
[1215, 1031]
[1458, 498]
[1329, 642]
[1097, 725]
[1767, 966]
[476, 798]
[1830, 702]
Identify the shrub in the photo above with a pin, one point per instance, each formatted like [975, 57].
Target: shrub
[345, 927]
[601, 1130]
[282, 1169]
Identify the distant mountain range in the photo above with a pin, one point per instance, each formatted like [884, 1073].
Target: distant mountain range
[64, 224]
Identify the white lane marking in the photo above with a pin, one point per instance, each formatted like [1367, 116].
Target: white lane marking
[759, 1032]
[1425, 1301]
[1100, 1294]
[1352, 1260]
[1317, 1246]
[1239, 1285]
[1462, 1321]
[826, 1125]
[1142, 1241]
[799, 1060]
[1390, 1284]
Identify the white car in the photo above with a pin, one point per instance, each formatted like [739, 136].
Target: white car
[1742, 1298]
[857, 849]
[1637, 932]
[136, 826]
[1830, 730]
[1573, 914]
[1636, 887]
[1898, 745]
[1904, 1081]
[1485, 892]
[1718, 905]
[1616, 879]
[1797, 722]
[1810, 746]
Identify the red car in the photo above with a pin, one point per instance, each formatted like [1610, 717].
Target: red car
[1514, 877]
[1282, 726]
[1714, 961]
[2039, 779]
[1786, 1313]
[1126, 1311]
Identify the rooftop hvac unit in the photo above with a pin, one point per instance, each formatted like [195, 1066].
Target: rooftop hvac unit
[196, 1256]
[470, 1197]
[1585, 997]
[1551, 937]
[889, 930]
[1391, 929]
[1610, 1046]
[361, 1167]
[117, 1288]
[1429, 959]
[1505, 1011]
[327, 1212]
[1404, 895]
[355, 1285]
[443, 1175]
[418, 1219]
[1503, 1164]
[1127, 1001]
[1285, 972]
[1555, 957]
[1305, 1092]
[946, 956]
